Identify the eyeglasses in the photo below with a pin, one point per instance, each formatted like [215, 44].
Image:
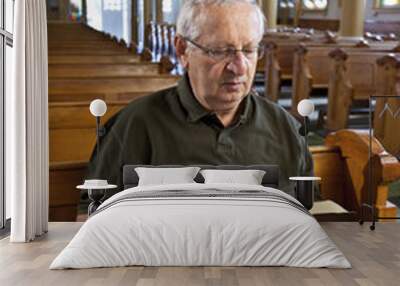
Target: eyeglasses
[227, 54]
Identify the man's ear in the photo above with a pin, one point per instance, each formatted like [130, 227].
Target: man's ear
[181, 50]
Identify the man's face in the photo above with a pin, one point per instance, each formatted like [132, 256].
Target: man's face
[220, 85]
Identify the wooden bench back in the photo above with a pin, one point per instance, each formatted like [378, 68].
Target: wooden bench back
[103, 70]
[87, 44]
[312, 67]
[109, 88]
[105, 52]
[354, 77]
[72, 31]
[285, 49]
[72, 129]
[93, 59]
[387, 110]
[354, 147]
[281, 56]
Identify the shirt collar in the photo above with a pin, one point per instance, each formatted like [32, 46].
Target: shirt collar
[195, 111]
[247, 110]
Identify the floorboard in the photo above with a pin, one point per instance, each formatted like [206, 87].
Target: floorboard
[374, 255]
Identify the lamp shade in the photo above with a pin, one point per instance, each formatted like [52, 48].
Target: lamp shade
[98, 107]
[305, 107]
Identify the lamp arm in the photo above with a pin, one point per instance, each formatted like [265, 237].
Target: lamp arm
[306, 130]
[98, 136]
[306, 122]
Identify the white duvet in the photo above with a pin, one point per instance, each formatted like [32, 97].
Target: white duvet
[200, 231]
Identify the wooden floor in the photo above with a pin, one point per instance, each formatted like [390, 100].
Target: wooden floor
[375, 256]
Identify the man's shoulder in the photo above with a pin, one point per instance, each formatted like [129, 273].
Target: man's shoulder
[272, 110]
[148, 104]
[151, 101]
[143, 108]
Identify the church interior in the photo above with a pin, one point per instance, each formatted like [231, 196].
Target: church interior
[343, 56]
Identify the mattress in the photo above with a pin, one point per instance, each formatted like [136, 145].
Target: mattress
[201, 225]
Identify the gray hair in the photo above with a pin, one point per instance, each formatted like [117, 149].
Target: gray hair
[190, 18]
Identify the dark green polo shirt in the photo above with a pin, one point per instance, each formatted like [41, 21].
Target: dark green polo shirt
[171, 127]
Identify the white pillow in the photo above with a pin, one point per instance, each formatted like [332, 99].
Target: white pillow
[163, 176]
[248, 177]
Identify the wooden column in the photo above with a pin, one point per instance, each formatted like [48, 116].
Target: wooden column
[147, 11]
[159, 11]
[134, 22]
[84, 11]
[270, 9]
[148, 17]
[63, 6]
[297, 12]
[352, 19]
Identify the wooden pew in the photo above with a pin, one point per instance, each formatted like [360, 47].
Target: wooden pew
[70, 31]
[354, 147]
[280, 53]
[273, 73]
[281, 47]
[387, 110]
[85, 64]
[101, 41]
[105, 42]
[63, 196]
[72, 129]
[77, 43]
[106, 52]
[312, 65]
[329, 165]
[72, 121]
[126, 96]
[300, 35]
[97, 47]
[108, 88]
[353, 78]
[278, 63]
[282, 38]
[95, 59]
[61, 36]
[88, 45]
[105, 70]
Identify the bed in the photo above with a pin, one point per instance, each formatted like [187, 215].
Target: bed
[201, 224]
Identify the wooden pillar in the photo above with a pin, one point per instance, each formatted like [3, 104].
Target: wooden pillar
[159, 11]
[147, 19]
[297, 12]
[84, 12]
[270, 9]
[63, 7]
[134, 22]
[147, 11]
[352, 19]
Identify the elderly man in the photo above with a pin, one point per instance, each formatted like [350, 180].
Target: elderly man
[212, 116]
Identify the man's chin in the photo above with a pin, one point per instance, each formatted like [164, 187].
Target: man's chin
[233, 89]
[224, 101]
[226, 105]
[232, 94]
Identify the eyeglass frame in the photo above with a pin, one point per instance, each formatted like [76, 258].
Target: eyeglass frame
[228, 53]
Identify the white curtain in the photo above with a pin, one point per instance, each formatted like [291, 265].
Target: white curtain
[27, 165]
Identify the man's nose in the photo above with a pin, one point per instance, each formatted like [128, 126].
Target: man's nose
[238, 63]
